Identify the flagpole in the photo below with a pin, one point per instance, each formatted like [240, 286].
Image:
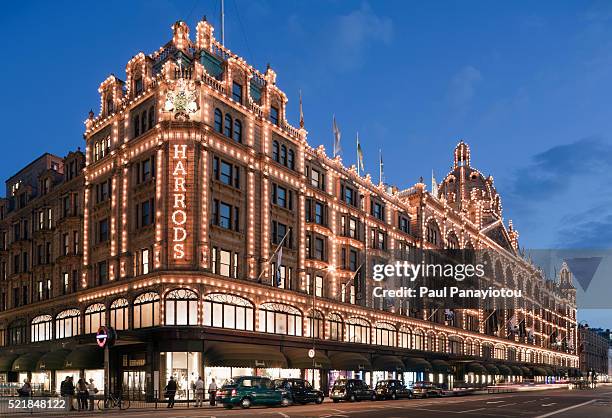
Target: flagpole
[273, 254]
[358, 163]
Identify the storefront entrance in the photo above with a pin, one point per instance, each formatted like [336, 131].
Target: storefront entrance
[185, 367]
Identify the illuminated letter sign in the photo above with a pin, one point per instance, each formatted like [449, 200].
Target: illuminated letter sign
[179, 208]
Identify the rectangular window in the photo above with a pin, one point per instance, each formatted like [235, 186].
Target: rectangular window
[319, 248]
[378, 211]
[280, 231]
[102, 272]
[403, 224]
[226, 172]
[65, 244]
[274, 115]
[103, 230]
[66, 206]
[317, 179]
[282, 197]
[75, 242]
[145, 261]
[65, 283]
[237, 92]
[349, 196]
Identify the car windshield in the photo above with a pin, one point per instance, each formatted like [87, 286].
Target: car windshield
[340, 383]
[382, 384]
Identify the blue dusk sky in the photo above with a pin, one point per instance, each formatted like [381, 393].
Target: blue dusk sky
[527, 85]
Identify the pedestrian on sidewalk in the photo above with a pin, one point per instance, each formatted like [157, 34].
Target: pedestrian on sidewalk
[82, 395]
[212, 392]
[92, 390]
[67, 392]
[199, 392]
[170, 389]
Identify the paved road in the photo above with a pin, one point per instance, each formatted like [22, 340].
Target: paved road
[540, 404]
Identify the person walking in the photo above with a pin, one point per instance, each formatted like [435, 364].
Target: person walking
[92, 390]
[170, 389]
[82, 395]
[67, 392]
[212, 392]
[26, 390]
[199, 392]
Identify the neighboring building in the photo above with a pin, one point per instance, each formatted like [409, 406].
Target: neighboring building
[607, 335]
[593, 350]
[193, 179]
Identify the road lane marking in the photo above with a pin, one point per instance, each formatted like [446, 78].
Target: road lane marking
[549, 404]
[495, 401]
[505, 405]
[472, 410]
[283, 415]
[550, 414]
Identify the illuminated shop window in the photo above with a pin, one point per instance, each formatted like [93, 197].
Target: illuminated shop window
[228, 311]
[119, 314]
[405, 337]
[357, 330]
[314, 324]
[419, 340]
[40, 330]
[95, 317]
[335, 327]
[146, 310]
[385, 333]
[67, 323]
[181, 307]
[278, 318]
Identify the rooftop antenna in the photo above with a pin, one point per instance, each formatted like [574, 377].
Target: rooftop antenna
[223, 22]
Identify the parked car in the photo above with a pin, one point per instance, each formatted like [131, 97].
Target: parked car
[392, 389]
[246, 391]
[351, 390]
[300, 390]
[426, 389]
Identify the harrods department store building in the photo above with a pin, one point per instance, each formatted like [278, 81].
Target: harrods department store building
[164, 228]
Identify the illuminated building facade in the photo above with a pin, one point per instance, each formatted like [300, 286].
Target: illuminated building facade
[193, 177]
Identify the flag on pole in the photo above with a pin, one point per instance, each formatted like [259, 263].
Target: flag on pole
[337, 148]
[434, 184]
[380, 168]
[279, 261]
[301, 111]
[360, 165]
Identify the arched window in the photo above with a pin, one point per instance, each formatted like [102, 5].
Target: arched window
[433, 232]
[441, 343]
[431, 342]
[228, 311]
[419, 340]
[151, 117]
[40, 330]
[314, 324]
[181, 307]
[146, 310]
[405, 337]
[357, 330]
[455, 345]
[67, 323]
[452, 242]
[487, 350]
[143, 122]
[17, 332]
[385, 333]
[291, 159]
[275, 151]
[237, 131]
[119, 314]
[468, 347]
[136, 123]
[218, 121]
[335, 327]
[511, 354]
[95, 317]
[227, 131]
[500, 352]
[277, 318]
[283, 155]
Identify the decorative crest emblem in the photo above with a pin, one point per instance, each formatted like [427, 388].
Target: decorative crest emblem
[182, 100]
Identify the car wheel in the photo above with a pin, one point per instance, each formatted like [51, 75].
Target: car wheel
[409, 395]
[285, 402]
[245, 403]
[394, 396]
[336, 400]
[352, 398]
[319, 400]
[373, 398]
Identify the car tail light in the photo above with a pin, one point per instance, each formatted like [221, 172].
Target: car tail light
[234, 392]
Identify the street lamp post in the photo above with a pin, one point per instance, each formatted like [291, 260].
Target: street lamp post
[312, 284]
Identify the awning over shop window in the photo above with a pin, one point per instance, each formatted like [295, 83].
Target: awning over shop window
[475, 368]
[26, 362]
[538, 371]
[87, 357]
[492, 369]
[349, 361]
[6, 362]
[440, 366]
[516, 371]
[298, 359]
[387, 363]
[417, 365]
[244, 355]
[550, 371]
[504, 370]
[561, 371]
[53, 360]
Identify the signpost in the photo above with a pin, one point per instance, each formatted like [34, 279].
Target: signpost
[106, 337]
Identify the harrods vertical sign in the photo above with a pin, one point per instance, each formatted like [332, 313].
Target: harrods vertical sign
[181, 172]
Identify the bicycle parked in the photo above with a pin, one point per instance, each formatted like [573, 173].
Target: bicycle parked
[112, 401]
